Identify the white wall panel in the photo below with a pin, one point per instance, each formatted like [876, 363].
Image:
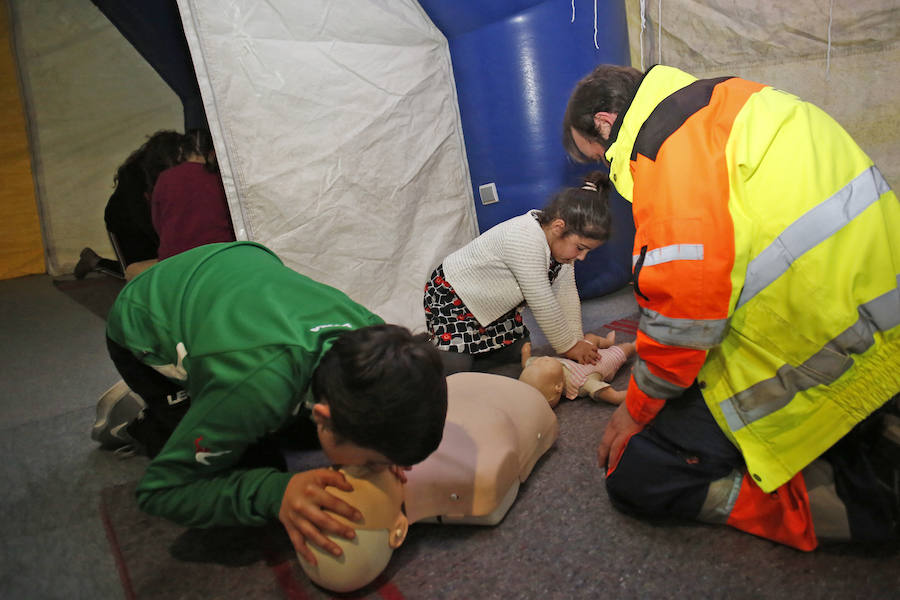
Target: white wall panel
[841, 55]
[91, 100]
[338, 131]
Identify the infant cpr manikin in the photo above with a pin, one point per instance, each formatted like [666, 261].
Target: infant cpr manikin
[496, 430]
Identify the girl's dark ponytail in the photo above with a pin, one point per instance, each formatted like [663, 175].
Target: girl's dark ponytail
[585, 209]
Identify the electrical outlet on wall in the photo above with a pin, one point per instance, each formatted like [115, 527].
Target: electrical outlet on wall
[488, 193]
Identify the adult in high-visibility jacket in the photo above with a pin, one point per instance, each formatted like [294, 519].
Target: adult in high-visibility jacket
[766, 268]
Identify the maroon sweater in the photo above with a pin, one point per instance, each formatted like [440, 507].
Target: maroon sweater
[189, 209]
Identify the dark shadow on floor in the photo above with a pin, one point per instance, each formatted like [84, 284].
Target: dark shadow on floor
[95, 292]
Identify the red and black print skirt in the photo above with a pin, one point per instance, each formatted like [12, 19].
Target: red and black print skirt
[453, 328]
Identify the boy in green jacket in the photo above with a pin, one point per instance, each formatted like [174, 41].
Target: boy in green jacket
[230, 350]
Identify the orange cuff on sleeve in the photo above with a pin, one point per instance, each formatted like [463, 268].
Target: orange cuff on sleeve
[641, 407]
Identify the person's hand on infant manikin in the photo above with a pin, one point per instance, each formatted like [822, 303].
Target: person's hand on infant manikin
[583, 352]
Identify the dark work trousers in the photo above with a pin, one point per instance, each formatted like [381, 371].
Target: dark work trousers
[167, 403]
[666, 469]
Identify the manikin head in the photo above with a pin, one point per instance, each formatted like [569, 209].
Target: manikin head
[547, 375]
[378, 495]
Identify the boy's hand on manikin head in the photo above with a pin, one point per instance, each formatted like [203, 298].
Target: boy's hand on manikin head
[303, 513]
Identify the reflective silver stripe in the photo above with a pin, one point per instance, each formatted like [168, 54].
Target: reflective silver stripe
[824, 367]
[720, 499]
[665, 254]
[653, 386]
[698, 334]
[814, 227]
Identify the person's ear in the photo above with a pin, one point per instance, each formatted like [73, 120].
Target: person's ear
[558, 227]
[398, 531]
[603, 122]
[321, 413]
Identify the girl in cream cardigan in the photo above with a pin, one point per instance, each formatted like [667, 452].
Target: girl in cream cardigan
[473, 300]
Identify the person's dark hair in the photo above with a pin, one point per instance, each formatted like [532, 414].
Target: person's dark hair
[585, 210]
[160, 152]
[200, 142]
[386, 390]
[608, 88]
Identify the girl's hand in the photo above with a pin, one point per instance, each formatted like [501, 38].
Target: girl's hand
[303, 511]
[583, 352]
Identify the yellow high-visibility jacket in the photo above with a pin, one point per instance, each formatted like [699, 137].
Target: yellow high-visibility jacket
[766, 262]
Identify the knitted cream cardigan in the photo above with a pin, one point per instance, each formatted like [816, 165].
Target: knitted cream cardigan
[507, 265]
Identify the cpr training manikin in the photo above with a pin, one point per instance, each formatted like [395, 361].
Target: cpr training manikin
[496, 430]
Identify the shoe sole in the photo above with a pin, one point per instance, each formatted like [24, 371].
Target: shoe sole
[102, 431]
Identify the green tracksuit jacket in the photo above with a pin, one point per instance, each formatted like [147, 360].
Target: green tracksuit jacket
[243, 334]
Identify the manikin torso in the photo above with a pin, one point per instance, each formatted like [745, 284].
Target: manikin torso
[496, 430]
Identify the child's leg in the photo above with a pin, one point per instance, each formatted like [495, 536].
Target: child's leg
[595, 388]
[455, 362]
[485, 362]
[628, 348]
[601, 342]
[610, 395]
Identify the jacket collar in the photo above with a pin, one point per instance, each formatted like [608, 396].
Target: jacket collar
[657, 84]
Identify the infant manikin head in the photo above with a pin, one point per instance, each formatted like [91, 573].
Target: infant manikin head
[547, 375]
[378, 495]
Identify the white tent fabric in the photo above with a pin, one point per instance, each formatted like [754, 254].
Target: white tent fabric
[841, 55]
[91, 100]
[339, 139]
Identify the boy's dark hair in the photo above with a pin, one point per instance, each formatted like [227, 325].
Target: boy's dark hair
[386, 391]
[585, 209]
[608, 88]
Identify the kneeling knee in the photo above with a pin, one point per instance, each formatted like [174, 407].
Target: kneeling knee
[628, 487]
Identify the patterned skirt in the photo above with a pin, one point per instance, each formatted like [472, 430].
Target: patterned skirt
[453, 328]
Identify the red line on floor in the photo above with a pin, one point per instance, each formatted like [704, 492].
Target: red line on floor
[116, 549]
[389, 591]
[284, 575]
[623, 325]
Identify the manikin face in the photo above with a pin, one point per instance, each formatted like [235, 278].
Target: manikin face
[547, 375]
[591, 149]
[567, 247]
[378, 495]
